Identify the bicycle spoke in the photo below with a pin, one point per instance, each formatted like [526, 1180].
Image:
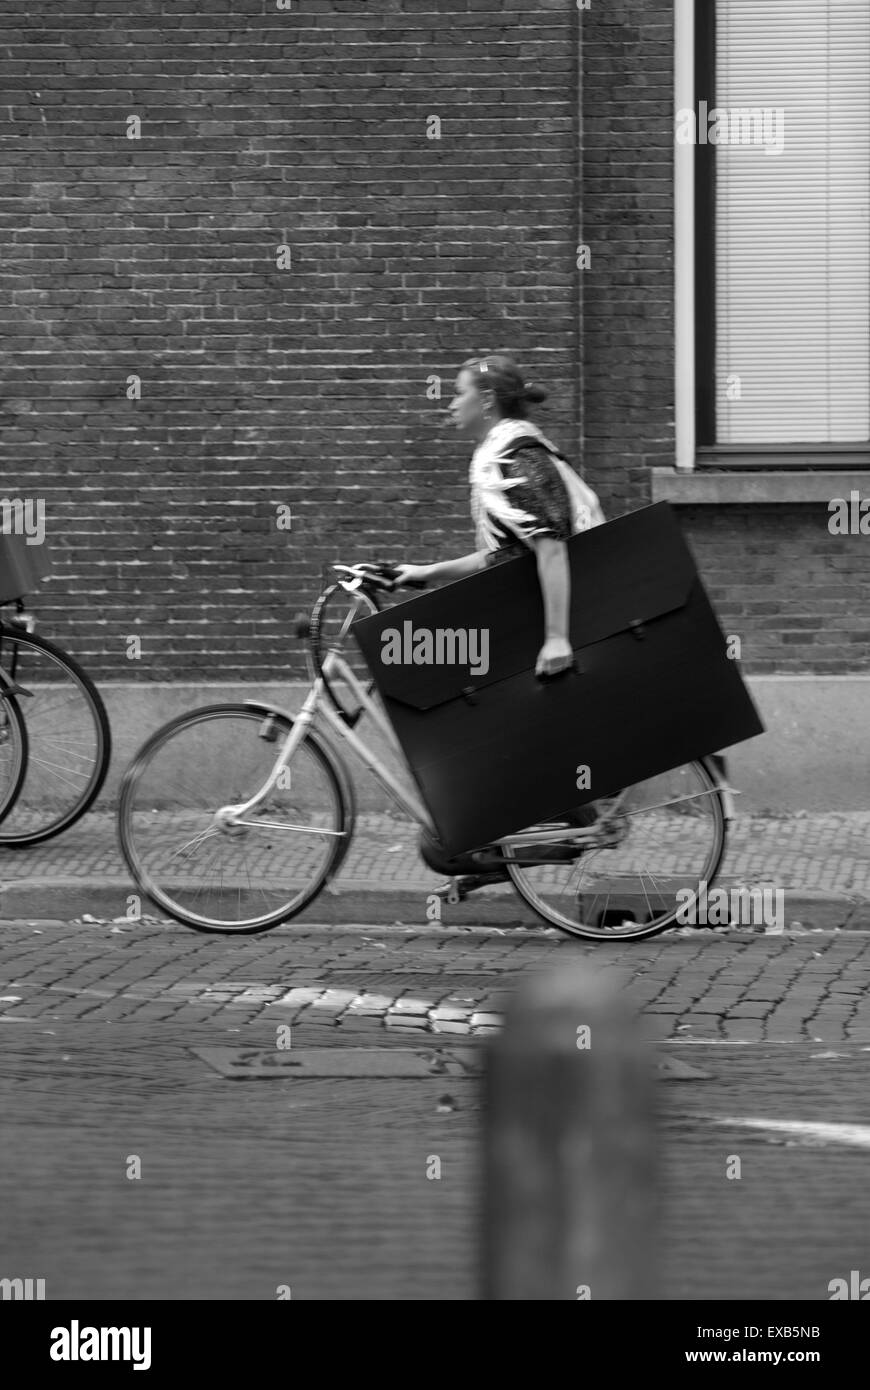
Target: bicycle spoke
[643, 848]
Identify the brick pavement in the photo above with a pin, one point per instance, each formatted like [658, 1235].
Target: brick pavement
[723, 986]
[822, 862]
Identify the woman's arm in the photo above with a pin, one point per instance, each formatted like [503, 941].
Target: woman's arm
[554, 575]
[555, 579]
[446, 570]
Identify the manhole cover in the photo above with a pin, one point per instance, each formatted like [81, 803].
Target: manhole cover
[247, 1064]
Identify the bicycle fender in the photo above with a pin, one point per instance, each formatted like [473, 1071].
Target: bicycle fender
[333, 755]
[715, 766]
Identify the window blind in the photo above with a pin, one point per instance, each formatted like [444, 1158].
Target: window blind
[792, 233]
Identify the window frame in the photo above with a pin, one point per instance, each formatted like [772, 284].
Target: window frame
[708, 453]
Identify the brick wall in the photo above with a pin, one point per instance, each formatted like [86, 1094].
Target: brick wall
[307, 387]
[264, 386]
[798, 597]
[628, 313]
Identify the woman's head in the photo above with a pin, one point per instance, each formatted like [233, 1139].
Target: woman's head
[489, 389]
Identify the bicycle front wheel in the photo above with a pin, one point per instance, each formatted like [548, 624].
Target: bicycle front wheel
[69, 743]
[644, 858]
[13, 753]
[219, 877]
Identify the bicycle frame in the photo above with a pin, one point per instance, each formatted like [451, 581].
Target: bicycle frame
[314, 708]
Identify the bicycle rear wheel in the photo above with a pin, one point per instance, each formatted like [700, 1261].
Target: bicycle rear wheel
[223, 878]
[69, 742]
[651, 848]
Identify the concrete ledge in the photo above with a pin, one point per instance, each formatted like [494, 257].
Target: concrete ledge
[813, 757]
[62, 899]
[47, 899]
[707, 486]
[137, 709]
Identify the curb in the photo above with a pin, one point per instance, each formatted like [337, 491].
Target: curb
[59, 899]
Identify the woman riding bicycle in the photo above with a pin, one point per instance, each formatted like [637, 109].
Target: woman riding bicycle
[226, 852]
[524, 496]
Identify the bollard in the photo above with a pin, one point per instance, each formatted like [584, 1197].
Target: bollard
[569, 1145]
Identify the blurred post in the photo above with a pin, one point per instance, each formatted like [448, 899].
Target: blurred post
[569, 1148]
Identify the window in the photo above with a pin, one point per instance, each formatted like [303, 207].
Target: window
[783, 226]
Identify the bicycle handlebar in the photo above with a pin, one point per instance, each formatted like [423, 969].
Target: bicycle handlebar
[378, 575]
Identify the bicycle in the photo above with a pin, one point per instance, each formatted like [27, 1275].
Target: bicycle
[68, 743]
[13, 749]
[228, 834]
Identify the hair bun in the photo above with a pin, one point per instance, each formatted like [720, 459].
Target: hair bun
[535, 393]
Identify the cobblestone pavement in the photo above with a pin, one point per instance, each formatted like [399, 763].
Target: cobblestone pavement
[803, 853]
[320, 1184]
[713, 986]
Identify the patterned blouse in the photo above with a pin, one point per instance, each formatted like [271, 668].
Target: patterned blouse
[540, 492]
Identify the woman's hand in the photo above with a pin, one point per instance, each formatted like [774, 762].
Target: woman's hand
[555, 656]
[418, 574]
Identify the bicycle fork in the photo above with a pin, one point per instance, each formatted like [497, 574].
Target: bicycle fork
[232, 818]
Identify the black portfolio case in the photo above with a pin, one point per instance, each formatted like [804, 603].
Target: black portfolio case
[497, 751]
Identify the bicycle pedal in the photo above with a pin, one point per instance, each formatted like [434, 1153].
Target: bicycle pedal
[268, 730]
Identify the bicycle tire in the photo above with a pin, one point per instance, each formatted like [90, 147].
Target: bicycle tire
[13, 839]
[318, 655]
[19, 724]
[321, 751]
[644, 930]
